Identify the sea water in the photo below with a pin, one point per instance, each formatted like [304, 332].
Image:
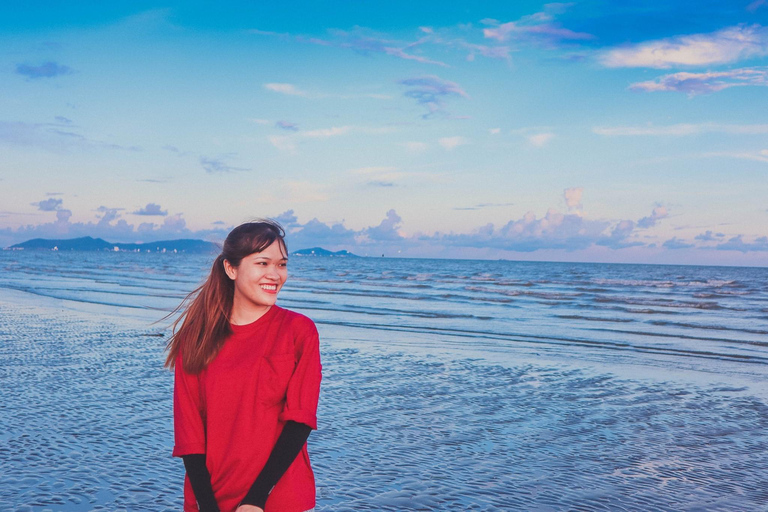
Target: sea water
[485, 385]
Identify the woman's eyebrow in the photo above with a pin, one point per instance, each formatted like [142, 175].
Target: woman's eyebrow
[269, 259]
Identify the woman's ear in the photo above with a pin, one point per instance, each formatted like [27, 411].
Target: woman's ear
[230, 270]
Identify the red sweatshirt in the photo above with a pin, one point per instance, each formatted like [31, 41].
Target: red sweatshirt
[267, 372]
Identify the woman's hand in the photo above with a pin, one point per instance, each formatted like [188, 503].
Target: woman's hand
[249, 508]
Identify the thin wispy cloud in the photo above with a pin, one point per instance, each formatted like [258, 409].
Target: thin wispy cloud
[367, 42]
[482, 206]
[282, 142]
[450, 143]
[218, 165]
[52, 137]
[755, 156]
[682, 129]
[725, 46]
[287, 125]
[324, 133]
[431, 92]
[704, 83]
[364, 42]
[291, 142]
[540, 139]
[380, 176]
[287, 89]
[48, 69]
[539, 28]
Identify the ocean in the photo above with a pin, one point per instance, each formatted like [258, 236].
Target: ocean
[485, 385]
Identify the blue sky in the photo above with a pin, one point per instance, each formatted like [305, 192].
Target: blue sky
[583, 131]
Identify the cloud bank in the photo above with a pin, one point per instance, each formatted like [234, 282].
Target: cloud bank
[725, 46]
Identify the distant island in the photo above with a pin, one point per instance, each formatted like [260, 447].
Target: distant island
[319, 251]
[88, 243]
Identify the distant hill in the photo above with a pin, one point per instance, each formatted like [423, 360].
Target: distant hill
[319, 251]
[88, 243]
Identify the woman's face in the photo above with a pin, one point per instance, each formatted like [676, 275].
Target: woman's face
[259, 278]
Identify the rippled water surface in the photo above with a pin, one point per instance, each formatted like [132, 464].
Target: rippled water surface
[447, 384]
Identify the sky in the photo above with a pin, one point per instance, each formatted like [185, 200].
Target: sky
[631, 132]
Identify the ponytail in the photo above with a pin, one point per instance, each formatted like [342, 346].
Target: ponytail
[205, 312]
[204, 321]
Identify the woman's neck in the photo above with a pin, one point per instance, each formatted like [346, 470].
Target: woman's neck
[247, 315]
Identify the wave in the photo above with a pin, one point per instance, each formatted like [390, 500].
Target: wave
[594, 318]
[513, 339]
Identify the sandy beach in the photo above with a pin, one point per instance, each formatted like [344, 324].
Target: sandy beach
[417, 412]
[87, 426]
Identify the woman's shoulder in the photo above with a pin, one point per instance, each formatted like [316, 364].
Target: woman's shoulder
[295, 319]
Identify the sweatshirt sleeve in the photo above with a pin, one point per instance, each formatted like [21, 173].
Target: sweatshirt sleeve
[304, 386]
[200, 480]
[188, 413]
[286, 449]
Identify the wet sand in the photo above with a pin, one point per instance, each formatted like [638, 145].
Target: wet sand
[87, 425]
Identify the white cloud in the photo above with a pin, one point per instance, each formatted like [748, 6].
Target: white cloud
[682, 129]
[494, 131]
[288, 89]
[573, 197]
[326, 132]
[724, 46]
[539, 28]
[431, 92]
[282, 142]
[152, 209]
[450, 143]
[756, 156]
[703, 83]
[658, 213]
[540, 139]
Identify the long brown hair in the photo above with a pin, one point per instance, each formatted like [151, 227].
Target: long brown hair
[205, 312]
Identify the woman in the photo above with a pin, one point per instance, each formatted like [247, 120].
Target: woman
[247, 383]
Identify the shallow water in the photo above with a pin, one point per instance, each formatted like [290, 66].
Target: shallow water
[422, 408]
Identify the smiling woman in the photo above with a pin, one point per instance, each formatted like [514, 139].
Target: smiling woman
[247, 383]
[257, 280]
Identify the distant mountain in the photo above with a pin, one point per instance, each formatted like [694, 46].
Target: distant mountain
[319, 251]
[88, 243]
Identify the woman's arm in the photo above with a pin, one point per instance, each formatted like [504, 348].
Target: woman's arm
[200, 479]
[288, 445]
